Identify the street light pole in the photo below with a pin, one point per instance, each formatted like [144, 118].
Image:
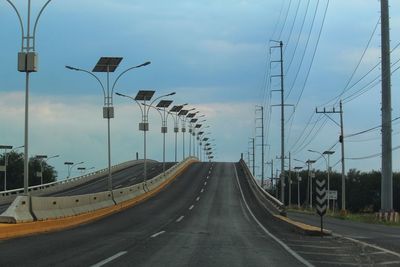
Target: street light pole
[27, 62]
[298, 185]
[144, 95]
[108, 64]
[5, 147]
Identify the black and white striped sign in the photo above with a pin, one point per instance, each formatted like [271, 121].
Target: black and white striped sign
[321, 196]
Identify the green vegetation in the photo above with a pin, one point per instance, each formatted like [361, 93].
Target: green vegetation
[362, 190]
[15, 171]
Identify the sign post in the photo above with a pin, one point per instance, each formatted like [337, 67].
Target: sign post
[321, 199]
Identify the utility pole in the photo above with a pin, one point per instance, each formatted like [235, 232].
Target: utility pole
[387, 176]
[261, 118]
[252, 148]
[341, 140]
[290, 181]
[282, 105]
[309, 182]
[254, 158]
[283, 175]
[272, 171]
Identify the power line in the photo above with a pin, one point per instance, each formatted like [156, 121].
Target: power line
[305, 49]
[292, 27]
[357, 66]
[368, 130]
[298, 38]
[372, 156]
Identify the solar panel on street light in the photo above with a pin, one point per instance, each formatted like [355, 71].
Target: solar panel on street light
[176, 108]
[5, 147]
[191, 115]
[164, 103]
[198, 125]
[144, 95]
[193, 120]
[183, 112]
[107, 64]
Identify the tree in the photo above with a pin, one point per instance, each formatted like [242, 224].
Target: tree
[15, 171]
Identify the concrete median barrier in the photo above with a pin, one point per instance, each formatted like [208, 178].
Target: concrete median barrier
[50, 208]
[18, 212]
[45, 208]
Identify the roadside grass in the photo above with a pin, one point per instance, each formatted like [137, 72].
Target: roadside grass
[356, 217]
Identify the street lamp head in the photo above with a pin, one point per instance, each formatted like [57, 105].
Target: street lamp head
[144, 64]
[173, 93]
[119, 94]
[328, 152]
[72, 68]
[68, 163]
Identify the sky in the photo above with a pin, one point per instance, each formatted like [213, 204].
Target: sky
[216, 56]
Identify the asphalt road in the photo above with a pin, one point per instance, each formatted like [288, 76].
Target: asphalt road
[387, 237]
[195, 221]
[123, 178]
[206, 217]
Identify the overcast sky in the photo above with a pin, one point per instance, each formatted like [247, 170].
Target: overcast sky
[215, 56]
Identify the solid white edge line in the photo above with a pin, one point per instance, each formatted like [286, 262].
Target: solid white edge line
[191, 207]
[157, 234]
[180, 218]
[104, 262]
[286, 247]
[369, 245]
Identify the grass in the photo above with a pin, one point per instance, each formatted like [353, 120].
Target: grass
[356, 217]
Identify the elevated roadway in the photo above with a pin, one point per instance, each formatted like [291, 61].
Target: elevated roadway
[207, 217]
[126, 177]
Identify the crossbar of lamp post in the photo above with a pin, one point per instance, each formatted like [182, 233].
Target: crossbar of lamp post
[108, 109]
[144, 109]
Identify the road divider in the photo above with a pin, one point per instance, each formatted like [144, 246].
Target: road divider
[31, 214]
[49, 188]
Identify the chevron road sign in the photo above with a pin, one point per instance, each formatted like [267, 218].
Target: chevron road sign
[321, 199]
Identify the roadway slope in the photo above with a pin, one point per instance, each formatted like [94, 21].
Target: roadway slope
[195, 221]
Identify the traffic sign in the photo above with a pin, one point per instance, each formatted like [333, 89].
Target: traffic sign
[332, 194]
[321, 196]
[321, 199]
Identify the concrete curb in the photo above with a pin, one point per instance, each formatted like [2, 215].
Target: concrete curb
[302, 227]
[9, 231]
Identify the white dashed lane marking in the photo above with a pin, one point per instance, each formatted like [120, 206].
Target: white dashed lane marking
[180, 218]
[191, 207]
[104, 262]
[157, 234]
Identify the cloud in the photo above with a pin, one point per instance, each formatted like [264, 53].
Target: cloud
[75, 129]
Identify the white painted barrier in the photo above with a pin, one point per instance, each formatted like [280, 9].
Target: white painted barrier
[127, 193]
[18, 211]
[45, 208]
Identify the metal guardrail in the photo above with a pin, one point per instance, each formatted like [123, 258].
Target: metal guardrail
[63, 183]
[266, 199]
